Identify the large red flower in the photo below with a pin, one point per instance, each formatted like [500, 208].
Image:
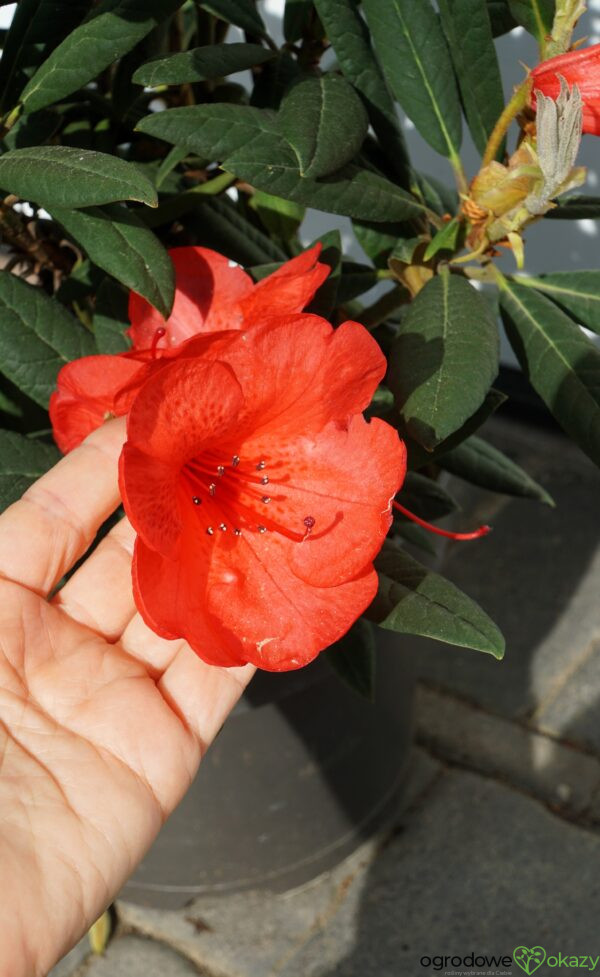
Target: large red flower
[259, 493]
[211, 293]
[581, 68]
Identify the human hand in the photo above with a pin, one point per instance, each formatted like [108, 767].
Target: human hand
[102, 723]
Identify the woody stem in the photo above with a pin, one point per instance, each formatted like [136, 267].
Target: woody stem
[516, 104]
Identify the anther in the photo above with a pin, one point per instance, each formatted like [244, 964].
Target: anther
[262, 464]
[262, 529]
[196, 500]
[237, 532]
[266, 499]
[221, 470]
[264, 480]
[210, 531]
[222, 527]
[235, 461]
[212, 488]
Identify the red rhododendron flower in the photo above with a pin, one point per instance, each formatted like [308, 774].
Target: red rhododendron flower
[581, 68]
[259, 493]
[211, 293]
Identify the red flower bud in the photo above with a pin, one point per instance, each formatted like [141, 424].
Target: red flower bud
[581, 68]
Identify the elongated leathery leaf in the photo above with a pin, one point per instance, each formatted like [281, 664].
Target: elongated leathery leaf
[444, 359]
[198, 64]
[560, 361]
[414, 600]
[576, 207]
[481, 464]
[348, 34]
[415, 58]
[22, 461]
[112, 29]
[325, 122]
[536, 16]
[578, 292]
[242, 13]
[467, 27]
[37, 337]
[62, 176]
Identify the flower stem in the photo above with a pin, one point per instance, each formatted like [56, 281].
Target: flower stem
[516, 104]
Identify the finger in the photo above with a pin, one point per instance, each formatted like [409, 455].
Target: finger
[44, 533]
[100, 594]
[202, 695]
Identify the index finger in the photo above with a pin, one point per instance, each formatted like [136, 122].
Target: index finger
[52, 525]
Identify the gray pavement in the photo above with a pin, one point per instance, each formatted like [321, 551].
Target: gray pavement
[497, 844]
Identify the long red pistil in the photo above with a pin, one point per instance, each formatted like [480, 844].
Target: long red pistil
[477, 534]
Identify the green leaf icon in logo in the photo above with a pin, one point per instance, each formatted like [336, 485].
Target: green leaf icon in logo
[529, 958]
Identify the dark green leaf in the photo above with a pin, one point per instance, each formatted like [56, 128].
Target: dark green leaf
[296, 19]
[212, 131]
[444, 359]
[578, 292]
[576, 207]
[325, 298]
[274, 80]
[536, 16]
[32, 130]
[441, 198]
[112, 29]
[198, 64]
[61, 176]
[111, 318]
[37, 337]
[416, 61]
[281, 218]
[418, 457]
[22, 462]
[417, 536]
[414, 600]
[349, 36]
[117, 241]
[481, 464]
[242, 13]
[219, 225]
[561, 363]
[467, 28]
[379, 240]
[355, 279]
[324, 121]
[445, 239]
[501, 19]
[353, 659]
[425, 498]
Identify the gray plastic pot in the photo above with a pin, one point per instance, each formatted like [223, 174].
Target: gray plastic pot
[303, 770]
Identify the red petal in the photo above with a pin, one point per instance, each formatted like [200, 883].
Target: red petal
[230, 617]
[307, 373]
[580, 67]
[207, 289]
[176, 414]
[287, 290]
[87, 391]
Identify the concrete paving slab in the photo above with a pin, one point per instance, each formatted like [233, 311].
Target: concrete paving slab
[131, 956]
[573, 712]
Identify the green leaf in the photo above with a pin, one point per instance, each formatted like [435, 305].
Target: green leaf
[296, 19]
[112, 29]
[325, 298]
[22, 461]
[325, 122]
[36, 27]
[501, 19]
[425, 498]
[561, 363]
[32, 130]
[119, 242]
[536, 16]
[481, 464]
[414, 600]
[349, 36]
[211, 131]
[574, 208]
[353, 659]
[242, 13]
[219, 225]
[111, 318]
[444, 359]
[417, 65]
[441, 198]
[444, 240]
[577, 292]
[198, 64]
[355, 279]
[379, 240]
[282, 218]
[417, 456]
[37, 337]
[61, 176]
[468, 31]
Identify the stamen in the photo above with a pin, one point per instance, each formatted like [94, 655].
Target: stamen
[266, 499]
[223, 527]
[262, 529]
[476, 534]
[158, 335]
[210, 531]
[237, 532]
[196, 500]
[220, 470]
[235, 461]
[264, 480]
[262, 464]
[212, 489]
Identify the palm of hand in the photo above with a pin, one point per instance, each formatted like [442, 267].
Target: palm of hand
[102, 724]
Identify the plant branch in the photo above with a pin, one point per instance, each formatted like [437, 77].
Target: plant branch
[516, 105]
